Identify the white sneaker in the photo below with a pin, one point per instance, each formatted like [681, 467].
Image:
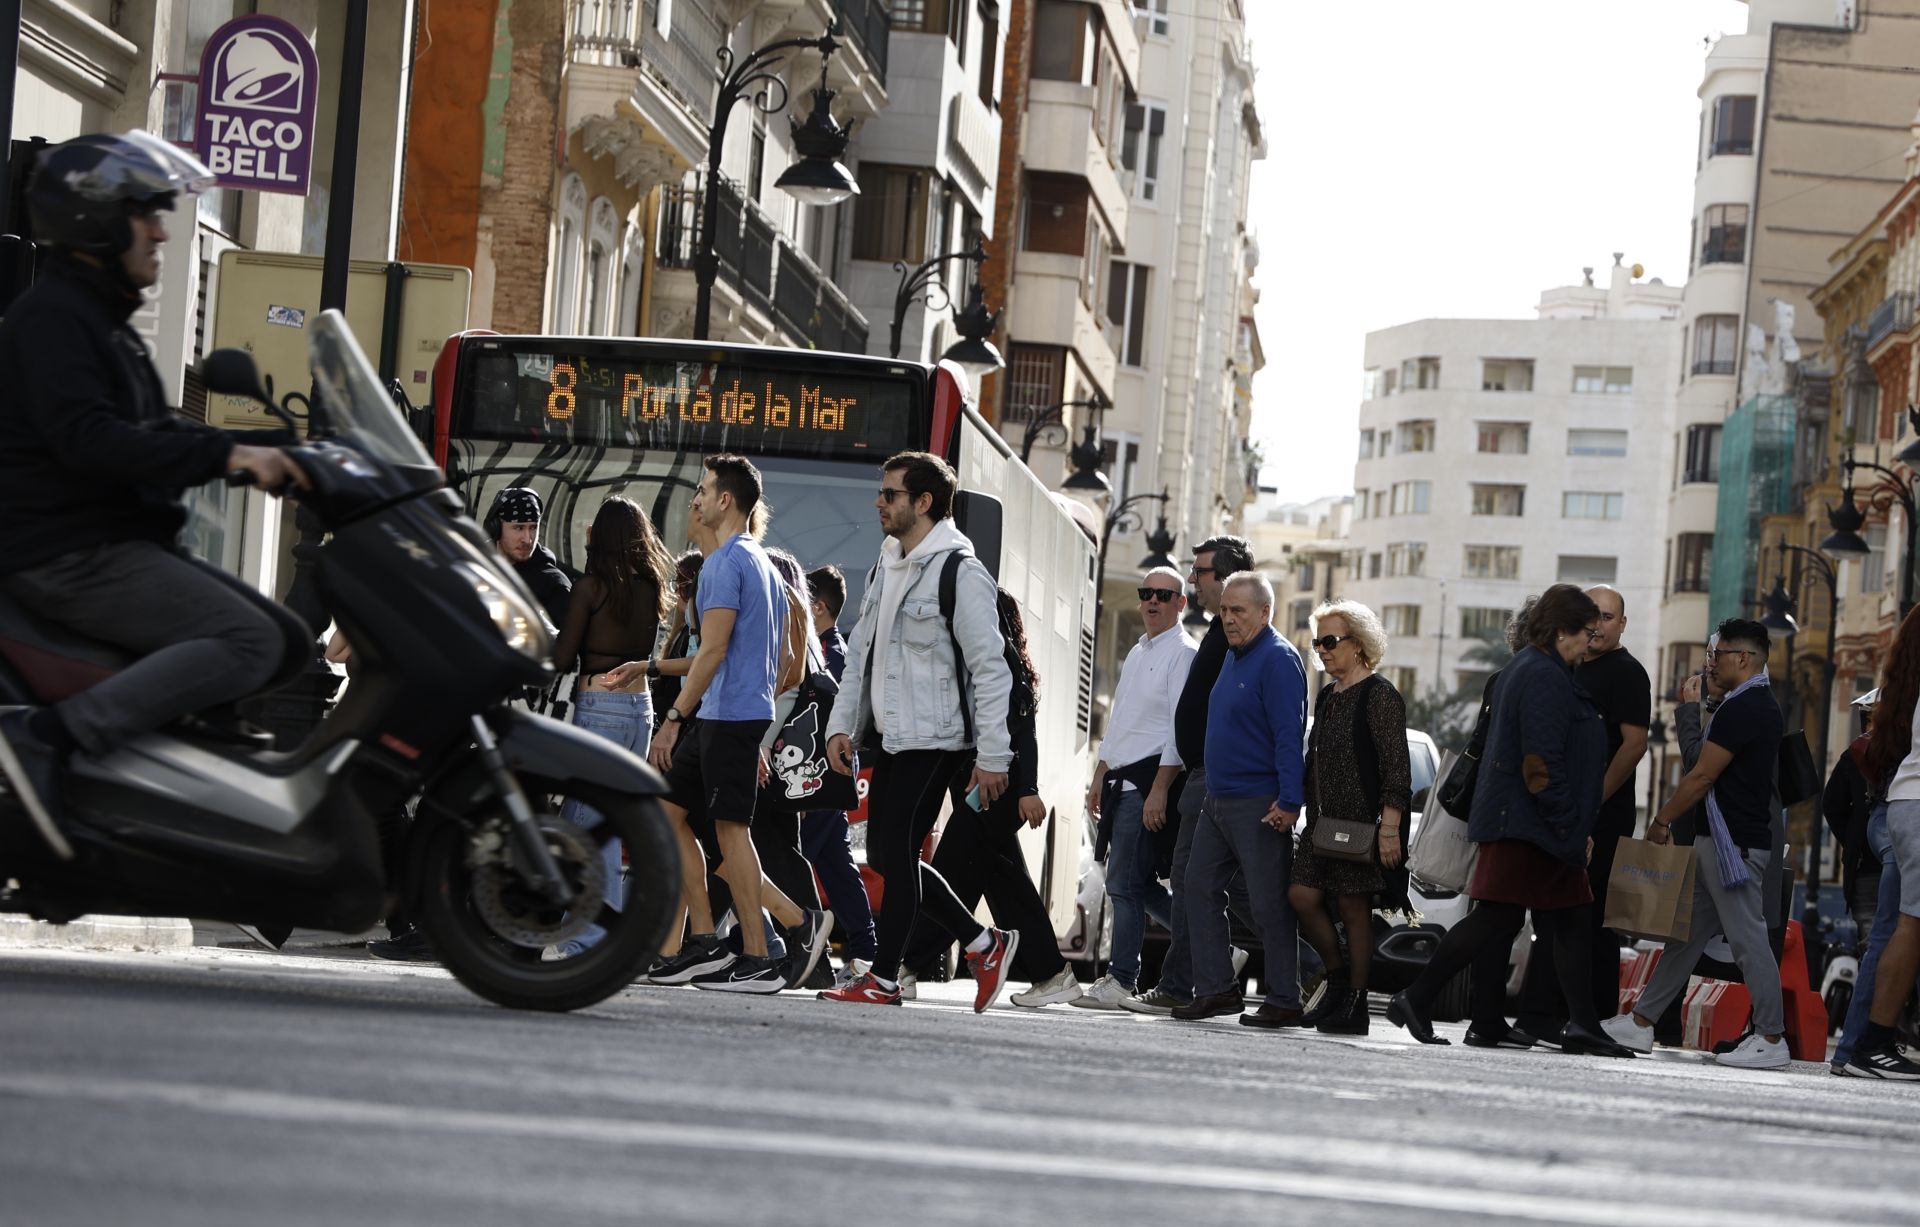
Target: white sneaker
[1758, 1052]
[850, 971]
[1062, 987]
[1627, 1033]
[1239, 957]
[909, 986]
[1106, 993]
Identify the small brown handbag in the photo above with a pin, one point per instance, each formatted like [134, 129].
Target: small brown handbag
[1340, 839]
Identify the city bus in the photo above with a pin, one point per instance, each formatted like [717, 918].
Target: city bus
[579, 419]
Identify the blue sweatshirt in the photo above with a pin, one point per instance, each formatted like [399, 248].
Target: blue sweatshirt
[1257, 723]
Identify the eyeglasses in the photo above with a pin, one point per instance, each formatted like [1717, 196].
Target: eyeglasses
[1198, 571]
[887, 493]
[1327, 643]
[1717, 653]
[1166, 596]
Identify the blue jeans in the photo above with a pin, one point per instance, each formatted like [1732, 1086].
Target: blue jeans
[627, 721]
[1132, 886]
[1886, 918]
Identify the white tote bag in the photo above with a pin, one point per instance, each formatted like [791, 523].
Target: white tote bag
[1442, 855]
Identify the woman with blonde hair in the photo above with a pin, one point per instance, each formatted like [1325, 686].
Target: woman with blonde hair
[1357, 770]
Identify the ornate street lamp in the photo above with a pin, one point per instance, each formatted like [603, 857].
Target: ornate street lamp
[1050, 422]
[927, 285]
[1780, 605]
[976, 355]
[1894, 489]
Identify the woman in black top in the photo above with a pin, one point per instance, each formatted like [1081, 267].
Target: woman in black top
[613, 617]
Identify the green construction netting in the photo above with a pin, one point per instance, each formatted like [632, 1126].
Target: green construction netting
[1756, 481]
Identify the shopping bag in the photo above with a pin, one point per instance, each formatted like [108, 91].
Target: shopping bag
[1650, 893]
[1442, 855]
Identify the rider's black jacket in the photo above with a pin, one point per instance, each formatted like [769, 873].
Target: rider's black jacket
[89, 452]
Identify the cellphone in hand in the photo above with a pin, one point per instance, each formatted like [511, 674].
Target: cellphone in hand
[973, 798]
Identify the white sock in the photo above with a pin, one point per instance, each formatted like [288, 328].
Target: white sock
[980, 943]
[889, 985]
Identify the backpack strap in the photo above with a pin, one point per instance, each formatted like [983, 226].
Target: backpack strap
[949, 600]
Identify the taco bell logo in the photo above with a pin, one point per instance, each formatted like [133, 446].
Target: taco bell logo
[259, 83]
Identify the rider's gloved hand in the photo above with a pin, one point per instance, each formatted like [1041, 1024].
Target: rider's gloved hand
[272, 468]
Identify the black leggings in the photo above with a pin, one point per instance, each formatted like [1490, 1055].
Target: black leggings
[980, 854]
[776, 837]
[1482, 941]
[903, 803]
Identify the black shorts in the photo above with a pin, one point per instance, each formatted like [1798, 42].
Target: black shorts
[716, 768]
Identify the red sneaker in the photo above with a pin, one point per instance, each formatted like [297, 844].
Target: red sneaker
[989, 968]
[862, 990]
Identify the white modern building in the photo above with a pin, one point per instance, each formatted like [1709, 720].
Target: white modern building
[1499, 457]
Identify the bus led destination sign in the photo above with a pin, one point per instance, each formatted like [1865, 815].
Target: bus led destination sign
[791, 402]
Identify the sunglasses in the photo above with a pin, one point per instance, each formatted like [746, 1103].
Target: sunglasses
[1199, 571]
[887, 494]
[1166, 596]
[1327, 643]
[1717, 653]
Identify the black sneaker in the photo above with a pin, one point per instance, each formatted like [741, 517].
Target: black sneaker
[32, 768]
[410, 946]
[697, 957]
[806, 942]
[1889, 1063]
[746, 973]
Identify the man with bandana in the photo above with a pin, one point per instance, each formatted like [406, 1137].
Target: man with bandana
[514, 522]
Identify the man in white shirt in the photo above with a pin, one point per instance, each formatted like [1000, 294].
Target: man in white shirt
[1137, 767]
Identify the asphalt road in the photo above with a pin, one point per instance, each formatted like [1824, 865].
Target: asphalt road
[230, 1087]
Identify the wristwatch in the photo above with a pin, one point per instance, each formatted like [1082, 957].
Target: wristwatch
[674, 715]
[653, 668]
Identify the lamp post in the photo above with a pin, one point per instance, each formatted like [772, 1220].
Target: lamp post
[1893, 490]
[1779, 616]
[926, 284]
[817, 178]
[1051, 421]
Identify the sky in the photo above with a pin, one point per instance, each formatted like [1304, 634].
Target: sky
[1452, 160]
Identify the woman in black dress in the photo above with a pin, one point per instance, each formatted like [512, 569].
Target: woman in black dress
[1534, 806]
[1357, 769]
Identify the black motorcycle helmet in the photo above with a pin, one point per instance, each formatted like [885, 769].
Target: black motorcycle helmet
[81, 192]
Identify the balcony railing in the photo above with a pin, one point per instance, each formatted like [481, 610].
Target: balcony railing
[1891, 316]
[797, 294]
[871, 26]
[683, 61]
[1713, 366]
[1725, 245]
[842, 328]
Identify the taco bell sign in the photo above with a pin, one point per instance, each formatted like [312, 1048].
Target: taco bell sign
[259, 83]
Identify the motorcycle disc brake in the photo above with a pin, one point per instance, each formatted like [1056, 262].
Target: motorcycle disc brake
[519, 914]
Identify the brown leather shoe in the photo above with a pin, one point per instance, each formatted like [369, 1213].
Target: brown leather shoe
[1213, 1005]
[1272, 1017]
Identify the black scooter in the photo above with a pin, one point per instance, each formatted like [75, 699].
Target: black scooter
[201, 819]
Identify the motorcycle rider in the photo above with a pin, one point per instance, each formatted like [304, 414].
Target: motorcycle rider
[92, 466]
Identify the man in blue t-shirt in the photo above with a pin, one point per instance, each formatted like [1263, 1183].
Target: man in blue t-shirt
[1735, 777]
[716, 765]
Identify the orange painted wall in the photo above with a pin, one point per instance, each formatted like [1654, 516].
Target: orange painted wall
[440, 198]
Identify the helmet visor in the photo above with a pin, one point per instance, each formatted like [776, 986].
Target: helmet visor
[174, 169]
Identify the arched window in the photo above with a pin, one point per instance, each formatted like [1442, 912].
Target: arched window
[565, 312]
[632, 253]
[603, 233]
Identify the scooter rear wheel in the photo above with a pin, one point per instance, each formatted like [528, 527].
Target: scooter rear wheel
[443, 885]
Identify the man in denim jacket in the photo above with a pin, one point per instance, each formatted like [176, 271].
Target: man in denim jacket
[904, 690]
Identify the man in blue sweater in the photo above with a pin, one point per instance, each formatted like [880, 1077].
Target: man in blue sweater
[1256, 746]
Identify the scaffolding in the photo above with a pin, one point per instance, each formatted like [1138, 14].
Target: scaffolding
[1756, 481]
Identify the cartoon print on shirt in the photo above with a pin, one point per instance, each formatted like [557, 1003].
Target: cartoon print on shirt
[794, 761]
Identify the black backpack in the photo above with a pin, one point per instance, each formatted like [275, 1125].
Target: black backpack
[1021, 702]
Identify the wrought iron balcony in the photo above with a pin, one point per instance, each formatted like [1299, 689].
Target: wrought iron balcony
[1891, 316]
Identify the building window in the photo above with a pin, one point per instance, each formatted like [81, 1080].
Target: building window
[1726, 227]
[1484, 622]
[1372, 386]
[1366, 445]
[1716, 340]
[1610, 380]
[1379, 503]
[1506, 375]
[1683, 661]
[1150, 17]
[1401, 619]
[921, 16]
[1355, 560]
[1863, 410]
[890, 215]
[1587, 569]
[1703, 454]
[1127, 308]
[1492, 562]
[1502, 438]
[1373, 566]
[1692, 562]
[1412, 498]
[1056, 215]
[1302, 615]
[990, 60]
[1036, 378]
[1732, 125]
[1592, 505]
[1419, 373]
[1360, 504]
[1873, 568]
[1495, 500]
[1140, 147]
[1403, 678]
[1596, 443]
[1060, 41]
[1407, 558]
[1414, 436]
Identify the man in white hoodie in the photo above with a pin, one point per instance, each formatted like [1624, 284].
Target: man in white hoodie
[915, 704]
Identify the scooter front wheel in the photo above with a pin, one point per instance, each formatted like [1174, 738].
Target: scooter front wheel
[488, 928]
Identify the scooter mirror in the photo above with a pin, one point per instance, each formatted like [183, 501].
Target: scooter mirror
[231, 372]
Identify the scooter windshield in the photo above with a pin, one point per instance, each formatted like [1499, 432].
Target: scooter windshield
[362, 412]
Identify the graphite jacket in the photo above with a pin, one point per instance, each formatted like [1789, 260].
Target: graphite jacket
[1546, 760]
[549, 584]
[923, 689]
[90, 454]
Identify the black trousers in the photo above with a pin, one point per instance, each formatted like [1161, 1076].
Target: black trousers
[979, 855]
[776, 837]
[1482, 941]
[903, 803]
[1543, 1008]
